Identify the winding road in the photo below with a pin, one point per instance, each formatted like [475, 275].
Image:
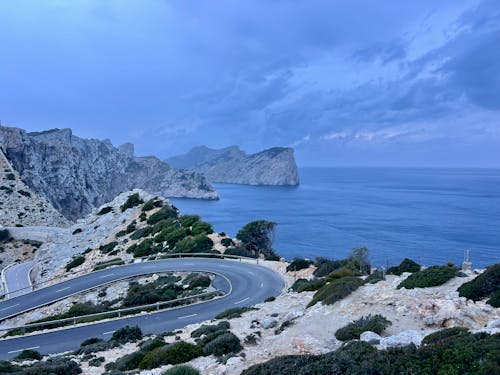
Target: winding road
[244, 284]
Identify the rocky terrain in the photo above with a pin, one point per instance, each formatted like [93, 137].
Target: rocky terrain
[275, 166]
[20, 205]
[76, 175]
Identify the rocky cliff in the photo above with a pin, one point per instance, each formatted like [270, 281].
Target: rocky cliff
[77, 175]
[275, 166]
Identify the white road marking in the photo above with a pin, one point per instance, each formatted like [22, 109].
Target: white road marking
[262, 285]
[10, 307]
[20, 350]
[243, 300]
[102, 277]
[108, 333]
[187, 316]
[60, 290]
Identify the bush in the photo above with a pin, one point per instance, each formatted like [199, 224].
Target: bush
[374, 277]
[182, 370]
[258, 237]
[150, 204]
[432, 276]
[105, 210]
[127, 334]
[340, 273]
[227, 242]
[140, 233]
[28, 354]
[201, 227]
[24, 193]
[444, 334]
[208, 329]
[495, 299]
[298, 264]
[96, 362]
[108, 263]
[201, 281]
[326, 266]
[4, 235]
[270, 299]
[180, 352]
[77, 230]
[303, 285]
[376, 323]
[336, 290]
[164, 213]
[407, 265]
[463, 354]
[108, 248]
[75, 262]
[198, 244]
[241, 252]
[223, 344]
[132, 201]
[10, 176]
[234, 312]
[53, 366]
[485, 285]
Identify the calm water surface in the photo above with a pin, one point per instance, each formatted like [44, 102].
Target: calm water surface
[430, 215]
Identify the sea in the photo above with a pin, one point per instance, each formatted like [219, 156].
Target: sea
[432, 216]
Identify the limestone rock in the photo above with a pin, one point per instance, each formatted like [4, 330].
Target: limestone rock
[371, 338]
[275, 166]
[402, 339]
[76, 175]
[269, 323]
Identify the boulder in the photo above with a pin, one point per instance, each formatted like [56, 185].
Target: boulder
[402, 339]
[370, 337]
[269, 323]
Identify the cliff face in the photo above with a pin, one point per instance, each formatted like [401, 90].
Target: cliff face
[77, 175]
[275, 166]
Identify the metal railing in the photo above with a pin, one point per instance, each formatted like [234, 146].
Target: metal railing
[160, 256]
[118, 313]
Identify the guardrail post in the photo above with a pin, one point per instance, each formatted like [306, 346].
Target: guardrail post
[157, 306]
[74, 321]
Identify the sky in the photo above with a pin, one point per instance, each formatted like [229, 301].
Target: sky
[346, 83]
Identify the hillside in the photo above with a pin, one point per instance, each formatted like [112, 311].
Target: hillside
[274, 166]
[76, 175]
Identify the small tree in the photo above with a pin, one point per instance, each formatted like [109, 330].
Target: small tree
[258, 237]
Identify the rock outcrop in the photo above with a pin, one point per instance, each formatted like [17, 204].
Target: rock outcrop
[77, 175]
[275, 166]
[19, 205]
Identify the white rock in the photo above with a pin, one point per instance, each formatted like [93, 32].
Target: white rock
[494, 324]
[370, 337]
[269, 323]
[292, 315]
[402, 339]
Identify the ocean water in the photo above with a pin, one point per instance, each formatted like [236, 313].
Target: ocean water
[429, 215]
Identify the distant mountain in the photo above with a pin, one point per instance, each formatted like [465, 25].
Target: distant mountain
[77, 175]
[275, 166]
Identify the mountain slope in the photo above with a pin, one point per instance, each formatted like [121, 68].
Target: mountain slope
[77, 175]
[275, 166]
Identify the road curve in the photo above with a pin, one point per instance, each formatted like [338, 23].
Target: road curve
[249, 284]
[17, 279]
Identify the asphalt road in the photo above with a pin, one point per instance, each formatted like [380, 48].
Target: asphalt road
[247, 284]
[17, 279]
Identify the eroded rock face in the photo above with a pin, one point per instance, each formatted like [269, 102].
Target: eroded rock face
[77, 175]
[275, 166]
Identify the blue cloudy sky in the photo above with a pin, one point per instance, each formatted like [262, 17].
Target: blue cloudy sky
[346, 83]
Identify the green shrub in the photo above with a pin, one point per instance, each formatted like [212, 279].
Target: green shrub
[463, 354]
[257, 236]
[96, 362]
[485, 285]
[298, 264]
[223, 344]
[207, 329]
[10, 176]
[4, 235]
[407, 265]
[227, 242]
[108, 263]
[166, 212]
[77, 230]
[432, 276]
[108, 248]
[375, 277]
[376, 323]
[241, 252]
[234, 312]
[198, 244]
[140, 233]
[270, 299]
[75, 262]
[340, 273]
[495, 299]
[132, 201]
[53, 366]
[326, 266]
[150, 204]
[201, 281]
[303, 285]
[201, 227]
[105, 210]
[127, 362]
[28, 354]
[336, 290]
[24, 193]
[444, 334]
[180, 352]
[127, 334]
[182, 370]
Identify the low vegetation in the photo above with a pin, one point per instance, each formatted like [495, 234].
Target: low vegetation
[303, 285]
[120, 336]
[234, 312]
[486, 285]
[5, 235]
[75, 262]
[105, 210]
[459, 354]
[182, 370]
[432, 276]
[52, 366]
[298, 264]
[108, 263]
[257, 237]
[407, 265]
[132, 201]
[352, 331]
[336, 290]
